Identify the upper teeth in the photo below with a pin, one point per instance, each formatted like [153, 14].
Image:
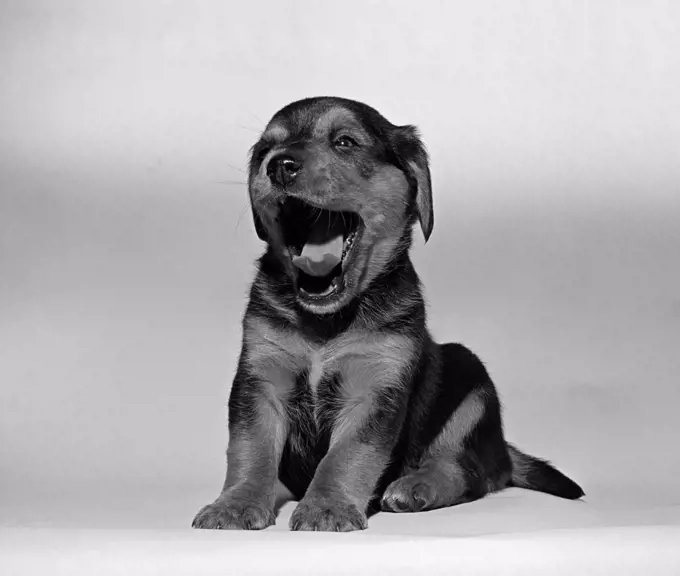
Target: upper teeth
[348, 243]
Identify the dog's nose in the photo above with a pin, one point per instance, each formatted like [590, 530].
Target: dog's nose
[283, 169]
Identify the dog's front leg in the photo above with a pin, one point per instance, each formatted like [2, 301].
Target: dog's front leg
[257, 429]
[346, 478]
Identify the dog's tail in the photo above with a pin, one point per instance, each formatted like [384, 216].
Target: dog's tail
[535, 474]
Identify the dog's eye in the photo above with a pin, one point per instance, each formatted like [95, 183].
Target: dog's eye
[344, 143]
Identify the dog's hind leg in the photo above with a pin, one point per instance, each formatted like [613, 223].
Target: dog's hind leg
[467, 460]
[437, 483]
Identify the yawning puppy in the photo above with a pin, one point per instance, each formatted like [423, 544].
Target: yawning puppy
[340, 392]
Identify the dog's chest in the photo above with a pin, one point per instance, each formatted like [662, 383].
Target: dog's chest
[325, 364]
[316, 361]
[322, 364]
[352, 364]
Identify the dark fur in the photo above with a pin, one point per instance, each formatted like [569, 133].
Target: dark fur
[348, 401]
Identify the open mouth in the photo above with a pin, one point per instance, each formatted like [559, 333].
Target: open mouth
[320, 243]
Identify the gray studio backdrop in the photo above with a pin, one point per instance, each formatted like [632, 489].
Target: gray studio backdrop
[126, 245]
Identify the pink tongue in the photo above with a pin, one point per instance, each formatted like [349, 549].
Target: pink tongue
[322, 251]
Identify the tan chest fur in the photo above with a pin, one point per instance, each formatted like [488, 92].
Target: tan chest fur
[365, 361]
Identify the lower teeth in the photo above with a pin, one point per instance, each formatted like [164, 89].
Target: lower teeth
[328, 290]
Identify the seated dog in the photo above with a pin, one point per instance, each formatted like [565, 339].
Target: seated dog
[340, 392]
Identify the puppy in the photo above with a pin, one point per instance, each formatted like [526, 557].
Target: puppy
[340, 392]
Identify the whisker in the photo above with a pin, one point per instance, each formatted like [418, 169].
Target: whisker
[318, 215]
[247, 128]
[243, 212]
[255, 117]
[231, 182]
[233, 167]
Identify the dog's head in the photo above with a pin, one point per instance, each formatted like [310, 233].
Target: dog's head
[335, 189]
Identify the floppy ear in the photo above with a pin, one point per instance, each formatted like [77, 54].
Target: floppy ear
[414, 156]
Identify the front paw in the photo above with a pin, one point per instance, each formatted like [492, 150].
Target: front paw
[325, 516]
[231, 515]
